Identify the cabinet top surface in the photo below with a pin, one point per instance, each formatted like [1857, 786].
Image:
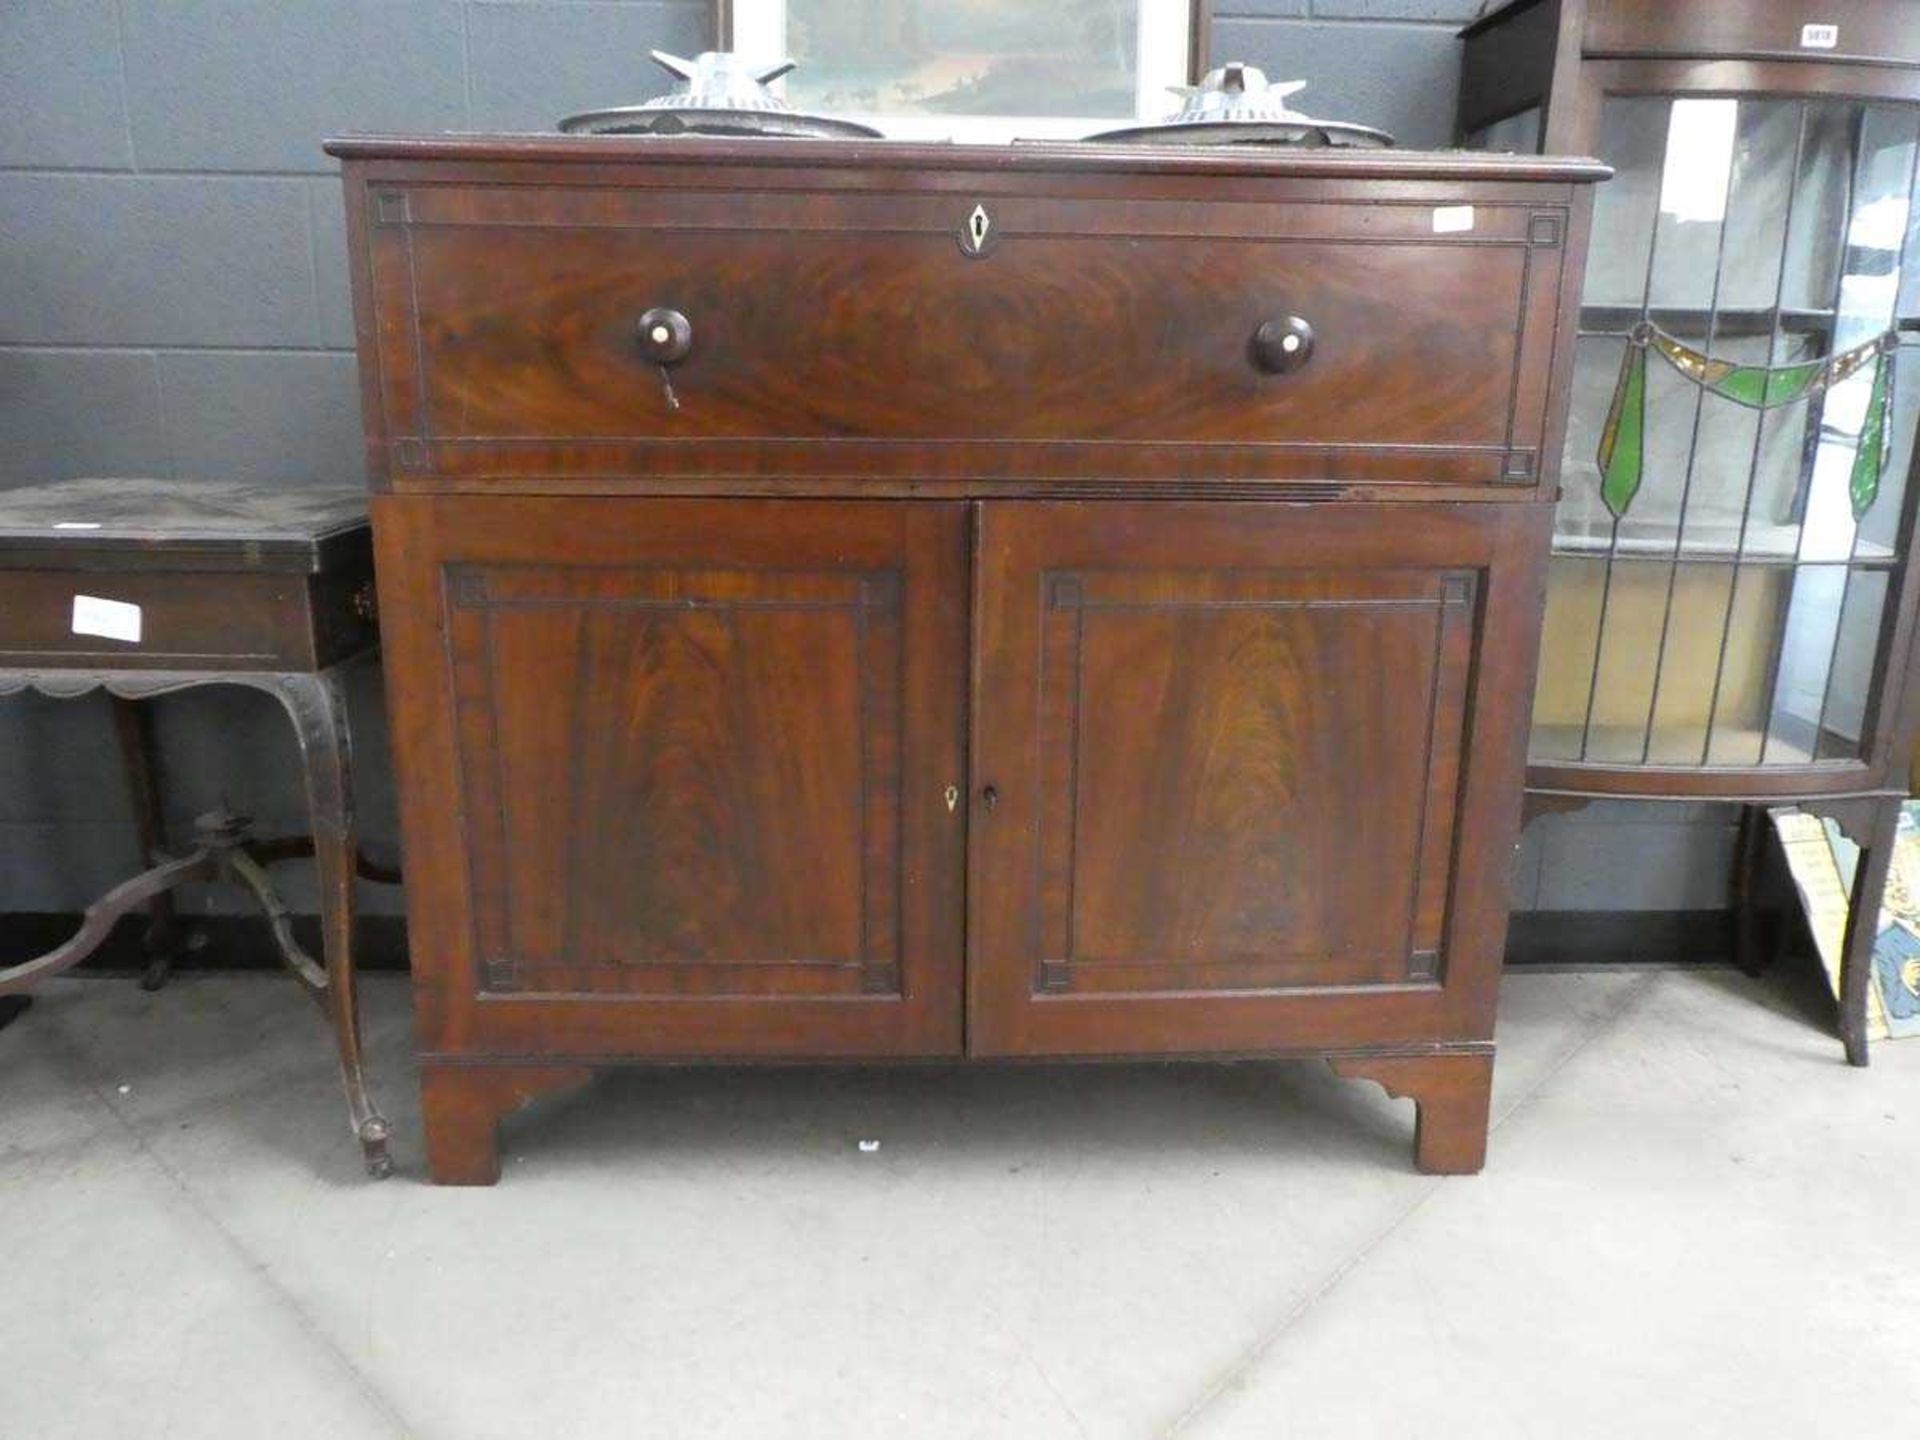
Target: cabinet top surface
[163, 524]
[1036, 157]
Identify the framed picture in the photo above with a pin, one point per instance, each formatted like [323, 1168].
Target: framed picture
[980, 70]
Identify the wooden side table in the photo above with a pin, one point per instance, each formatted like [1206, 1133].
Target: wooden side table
[146, 587]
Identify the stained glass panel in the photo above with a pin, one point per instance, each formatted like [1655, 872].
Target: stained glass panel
[1719, 589]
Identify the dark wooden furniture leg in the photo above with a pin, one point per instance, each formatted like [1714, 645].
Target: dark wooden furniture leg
[319, 714]
[1875, 839]
[1749, 953]
[461, 1110]
[300, 847]
[164, 940]
[1452, 1092]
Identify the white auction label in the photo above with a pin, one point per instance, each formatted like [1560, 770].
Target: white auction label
[1452, 219]
[1819, 37]
[110, 619]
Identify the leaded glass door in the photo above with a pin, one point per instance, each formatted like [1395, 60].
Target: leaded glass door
[1721, 595]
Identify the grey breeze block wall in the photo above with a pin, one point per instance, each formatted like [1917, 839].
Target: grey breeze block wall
[173, 300]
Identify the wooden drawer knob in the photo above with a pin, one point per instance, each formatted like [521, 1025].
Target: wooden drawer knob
[1282, 346]
[665, 335]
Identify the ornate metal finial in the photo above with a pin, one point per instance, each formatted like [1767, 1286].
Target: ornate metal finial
[719, 93]
[1236, 103]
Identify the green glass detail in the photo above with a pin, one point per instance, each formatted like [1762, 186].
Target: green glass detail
[1757, 385]
[1762, 388]
[1622, 453]
[1870, 459]
[1622, 442]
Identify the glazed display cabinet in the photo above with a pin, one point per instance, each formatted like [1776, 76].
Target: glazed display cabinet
[1730, 594]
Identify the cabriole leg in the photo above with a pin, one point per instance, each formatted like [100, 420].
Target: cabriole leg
[1863, 927]
[319, 714]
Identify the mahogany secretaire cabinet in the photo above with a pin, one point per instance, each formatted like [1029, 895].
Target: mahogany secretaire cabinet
[851, 599]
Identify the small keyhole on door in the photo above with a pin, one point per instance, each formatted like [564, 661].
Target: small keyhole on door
[989, 797]
[953, 797]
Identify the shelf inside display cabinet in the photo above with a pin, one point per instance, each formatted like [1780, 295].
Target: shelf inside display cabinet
[1683, 746]
[1743, 323]
[1707, 543]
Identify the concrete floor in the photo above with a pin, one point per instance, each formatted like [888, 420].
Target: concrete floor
[1696, 1221]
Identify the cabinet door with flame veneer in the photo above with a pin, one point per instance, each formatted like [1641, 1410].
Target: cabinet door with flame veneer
[1223, 773]
[694, 756]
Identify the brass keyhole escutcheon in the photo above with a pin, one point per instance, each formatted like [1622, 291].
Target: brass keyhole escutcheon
[953, 797]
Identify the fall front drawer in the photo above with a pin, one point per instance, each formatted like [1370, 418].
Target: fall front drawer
[799, 325]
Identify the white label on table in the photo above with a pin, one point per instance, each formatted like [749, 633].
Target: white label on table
[112, 619]
[76, 524]
[1452, 219]
[1819, 37]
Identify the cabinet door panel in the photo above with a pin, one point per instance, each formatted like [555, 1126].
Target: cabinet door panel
[699, 753]
[1228, 754]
